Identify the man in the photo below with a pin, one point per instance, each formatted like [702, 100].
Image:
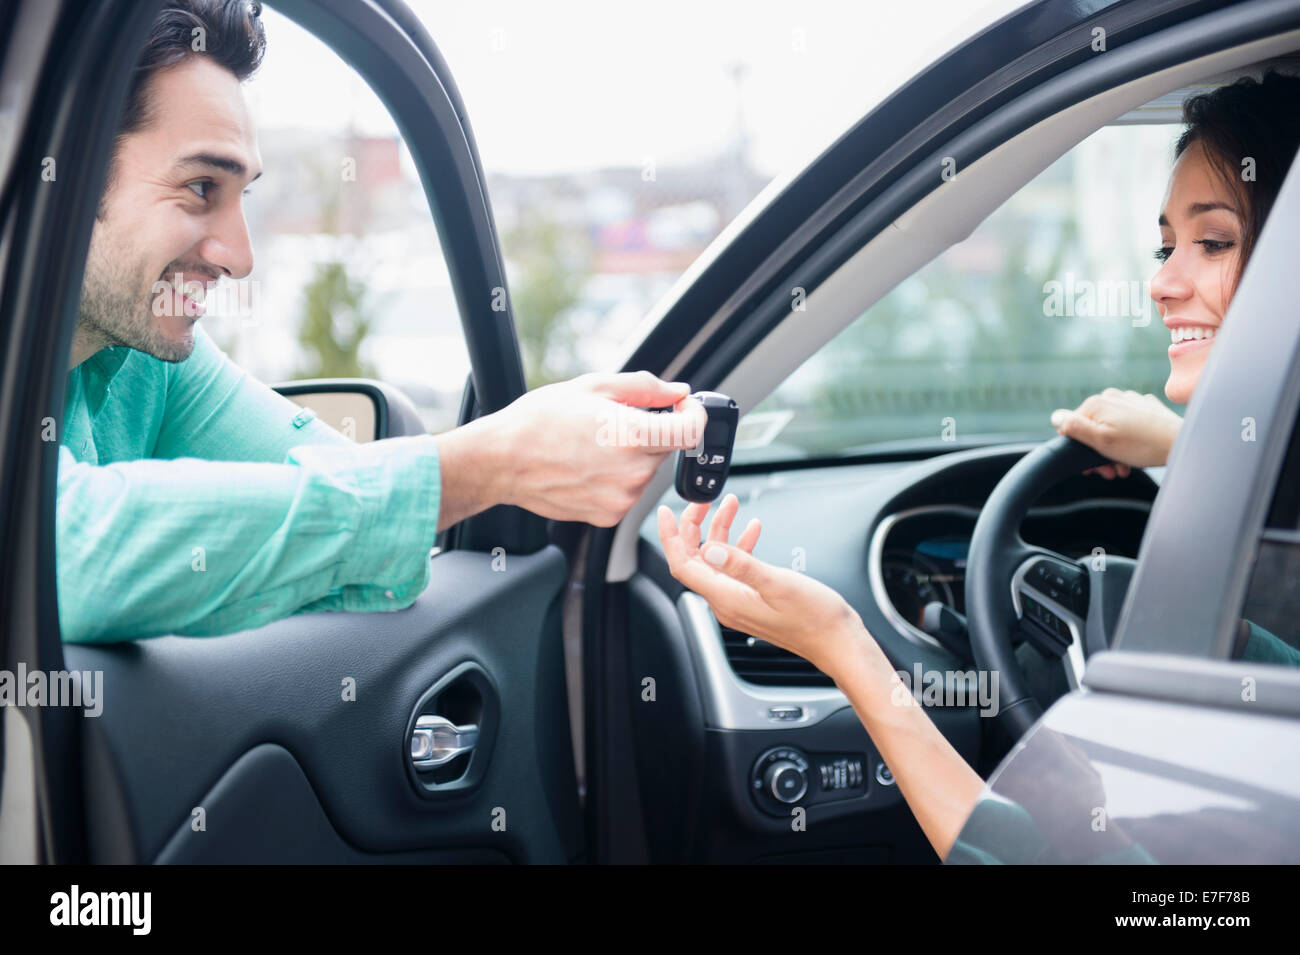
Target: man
[193, 499]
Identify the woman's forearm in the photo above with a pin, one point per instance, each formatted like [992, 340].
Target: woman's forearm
[940, 787]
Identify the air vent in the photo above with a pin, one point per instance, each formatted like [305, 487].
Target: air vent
[763, 663]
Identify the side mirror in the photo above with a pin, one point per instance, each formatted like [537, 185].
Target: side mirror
[360, 408]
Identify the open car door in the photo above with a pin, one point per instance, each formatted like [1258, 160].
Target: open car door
[307, 740]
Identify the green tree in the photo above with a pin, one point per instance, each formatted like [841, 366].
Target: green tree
[337, 311]
[336, 317]
[551, 264]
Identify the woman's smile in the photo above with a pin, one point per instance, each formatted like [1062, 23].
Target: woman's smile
[1186, 337]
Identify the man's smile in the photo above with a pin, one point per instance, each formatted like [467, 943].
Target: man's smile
[182, 295]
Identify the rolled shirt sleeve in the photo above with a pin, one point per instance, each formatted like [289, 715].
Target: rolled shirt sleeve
[195, 547]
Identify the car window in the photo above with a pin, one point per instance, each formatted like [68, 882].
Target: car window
[349, 278]
[613, 164]
[1269, 631]
[1043, 305]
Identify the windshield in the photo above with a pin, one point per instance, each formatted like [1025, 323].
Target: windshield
[1045, 304]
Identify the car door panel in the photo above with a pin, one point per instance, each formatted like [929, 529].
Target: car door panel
[200, 709]
[1102, 773]
[267, 802]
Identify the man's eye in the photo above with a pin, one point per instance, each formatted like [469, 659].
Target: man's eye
[200, 188]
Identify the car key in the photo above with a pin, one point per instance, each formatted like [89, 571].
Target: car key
[702, 471]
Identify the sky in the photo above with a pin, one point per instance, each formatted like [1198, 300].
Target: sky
[573, 84]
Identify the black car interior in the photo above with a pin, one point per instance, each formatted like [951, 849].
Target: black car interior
[531, 706]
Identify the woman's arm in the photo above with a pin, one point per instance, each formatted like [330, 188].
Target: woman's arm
[804, 616]
[940, 787]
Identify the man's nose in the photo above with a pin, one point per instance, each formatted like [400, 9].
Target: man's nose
[228, 246]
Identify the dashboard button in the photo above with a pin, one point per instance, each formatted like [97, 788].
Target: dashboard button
[785, 781]
[785, 714]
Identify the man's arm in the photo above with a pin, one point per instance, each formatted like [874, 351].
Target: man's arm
[200, 547]
[578, 450]
[150, 547]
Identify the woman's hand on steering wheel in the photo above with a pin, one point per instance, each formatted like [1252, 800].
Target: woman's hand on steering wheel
[1133, 430]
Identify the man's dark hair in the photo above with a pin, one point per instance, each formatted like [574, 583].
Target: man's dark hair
[229, 32]
[1250, 119]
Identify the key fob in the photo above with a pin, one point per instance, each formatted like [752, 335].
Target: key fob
[702, 471]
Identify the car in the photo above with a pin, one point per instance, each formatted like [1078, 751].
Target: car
[585, 706]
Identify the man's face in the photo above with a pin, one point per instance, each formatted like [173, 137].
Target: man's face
[173, 221]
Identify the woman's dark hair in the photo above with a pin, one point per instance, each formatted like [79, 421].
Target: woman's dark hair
[229, 32]
[1251, 130]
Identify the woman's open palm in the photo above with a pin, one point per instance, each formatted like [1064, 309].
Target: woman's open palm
[781, 606]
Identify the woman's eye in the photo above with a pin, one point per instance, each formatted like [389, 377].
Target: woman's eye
[1163, 253]
[1214, 245]
[202, 187]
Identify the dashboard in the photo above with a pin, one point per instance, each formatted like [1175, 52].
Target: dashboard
[892, 537]
[918, 555]
[744, 732]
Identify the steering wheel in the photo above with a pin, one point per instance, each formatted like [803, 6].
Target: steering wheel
[1066, 608]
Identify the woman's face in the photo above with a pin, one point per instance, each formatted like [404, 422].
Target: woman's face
[1201, 231]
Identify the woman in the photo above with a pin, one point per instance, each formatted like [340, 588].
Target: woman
[1211, 220]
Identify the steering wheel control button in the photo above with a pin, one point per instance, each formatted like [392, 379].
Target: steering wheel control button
[1067, 586]
[1044, 628]
[883, 775]
[702, 471]
[785, 714]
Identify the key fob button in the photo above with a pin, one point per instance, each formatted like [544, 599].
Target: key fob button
[702, 470]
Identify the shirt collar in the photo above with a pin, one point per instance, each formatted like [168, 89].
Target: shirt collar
[98, 370]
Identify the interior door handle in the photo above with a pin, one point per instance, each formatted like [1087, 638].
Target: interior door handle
[436, 741]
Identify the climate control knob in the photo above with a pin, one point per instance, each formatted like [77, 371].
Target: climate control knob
[785, 782]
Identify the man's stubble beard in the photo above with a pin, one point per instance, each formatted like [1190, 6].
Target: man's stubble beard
[114, 312]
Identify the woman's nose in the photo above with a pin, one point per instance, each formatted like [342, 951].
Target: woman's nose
[1169, 285]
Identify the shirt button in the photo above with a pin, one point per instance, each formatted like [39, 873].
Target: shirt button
[388, 594]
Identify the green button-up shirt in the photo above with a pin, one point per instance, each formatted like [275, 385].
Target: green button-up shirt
[195, 500]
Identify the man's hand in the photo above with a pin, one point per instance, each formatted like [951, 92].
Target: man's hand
[579, 450]
[1133, 430]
